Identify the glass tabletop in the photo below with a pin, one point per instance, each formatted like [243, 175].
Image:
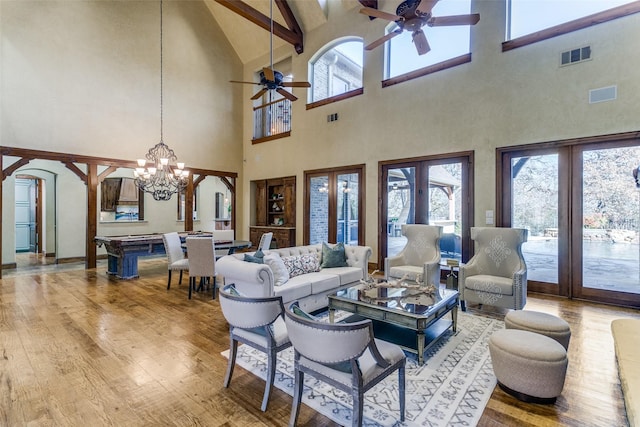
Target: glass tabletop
[409, 298]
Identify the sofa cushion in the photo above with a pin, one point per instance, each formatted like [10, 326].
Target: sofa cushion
[322, 281]
[346, 275]
[413, 272]
[333, 256]
[301, 264]
[296, 288]
[279, 270]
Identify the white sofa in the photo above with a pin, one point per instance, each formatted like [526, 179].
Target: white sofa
[309, 289]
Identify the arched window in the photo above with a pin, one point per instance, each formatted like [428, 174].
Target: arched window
[336, 69]
[446, 43]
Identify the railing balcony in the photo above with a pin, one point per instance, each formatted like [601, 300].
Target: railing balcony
[272, 120]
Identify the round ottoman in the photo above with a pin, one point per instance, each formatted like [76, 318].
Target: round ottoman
[529, 366]
[541, 323]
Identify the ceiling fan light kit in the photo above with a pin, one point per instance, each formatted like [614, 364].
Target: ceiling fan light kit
[412, 15]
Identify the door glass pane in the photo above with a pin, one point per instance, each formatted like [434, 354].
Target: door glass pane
[535, 207]
[319, 210]
[347, 215]
[445, 207]
[610, 214]
[400, 206]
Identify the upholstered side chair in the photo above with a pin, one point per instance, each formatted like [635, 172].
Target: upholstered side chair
[202, 262]
[258, 323]
[420, 258]
[175, 255]
[497, 274]
[344, 355]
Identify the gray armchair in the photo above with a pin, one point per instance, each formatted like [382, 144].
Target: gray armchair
[420, 258]
[344, 355]
[258, 323]
[497, 274]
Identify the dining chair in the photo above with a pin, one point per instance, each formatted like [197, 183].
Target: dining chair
[258, 323]
[344, 355]
[222, 235]
[265, 241]
[202, 262]
[175, 255]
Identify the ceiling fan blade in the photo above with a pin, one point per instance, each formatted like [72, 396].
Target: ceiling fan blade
[259, 94]
[379, 14]
[420, 40]
[296, 84]
[286, 94]
[454, 20]
[381, 40]
[247, 83]
[426, 6]
[269, 74]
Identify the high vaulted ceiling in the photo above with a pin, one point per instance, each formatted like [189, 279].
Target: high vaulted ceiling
[250, 40]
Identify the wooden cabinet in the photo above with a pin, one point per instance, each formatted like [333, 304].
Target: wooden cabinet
[275, 204]
[283, 237]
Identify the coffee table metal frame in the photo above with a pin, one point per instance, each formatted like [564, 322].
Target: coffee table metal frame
[418, 323]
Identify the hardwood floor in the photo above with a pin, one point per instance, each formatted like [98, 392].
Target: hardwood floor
[77, 348]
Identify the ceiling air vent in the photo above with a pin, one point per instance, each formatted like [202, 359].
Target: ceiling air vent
[575, 55]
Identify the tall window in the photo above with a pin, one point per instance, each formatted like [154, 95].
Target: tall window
[337, 69]
[445, 42]
[527, 17]
[334, 201]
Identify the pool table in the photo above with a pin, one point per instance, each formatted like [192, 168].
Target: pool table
[123, 251]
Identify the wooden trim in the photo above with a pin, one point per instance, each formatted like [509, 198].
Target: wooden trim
[336, 98]
[271, 137]
[449, 63]
[571, 26]
[91, 180]
[17, 165]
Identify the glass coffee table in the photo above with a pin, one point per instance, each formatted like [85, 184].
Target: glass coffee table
[408, 316]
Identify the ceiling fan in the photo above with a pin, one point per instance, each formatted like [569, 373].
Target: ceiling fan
[412, 15]
[271, 79]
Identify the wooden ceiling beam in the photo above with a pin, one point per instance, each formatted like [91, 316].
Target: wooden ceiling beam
[370, 3]
[289, 35]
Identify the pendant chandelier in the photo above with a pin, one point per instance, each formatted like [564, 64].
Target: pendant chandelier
[159, 173]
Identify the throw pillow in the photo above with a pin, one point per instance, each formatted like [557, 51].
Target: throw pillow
[257, 257]
[295, 308]
[280, 272]
[232, 290]
[333, 256]
[301, 264]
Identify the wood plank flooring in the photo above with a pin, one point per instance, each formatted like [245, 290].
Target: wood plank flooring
[78, 348]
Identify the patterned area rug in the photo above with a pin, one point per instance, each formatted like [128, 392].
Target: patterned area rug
[450, 389]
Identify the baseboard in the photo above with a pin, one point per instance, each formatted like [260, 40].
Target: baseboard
[9, 266]
[70, 260]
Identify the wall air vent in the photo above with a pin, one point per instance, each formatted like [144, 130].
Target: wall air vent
[602, 94]
[575, 55]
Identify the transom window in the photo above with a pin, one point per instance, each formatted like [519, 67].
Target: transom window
[337, 69]
[529, 16]
[446, 43]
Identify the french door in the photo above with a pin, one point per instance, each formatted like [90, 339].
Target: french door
[581, 204]
[435, 190]
[334, 201]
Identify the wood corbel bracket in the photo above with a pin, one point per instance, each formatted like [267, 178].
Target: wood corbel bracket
[11, 169]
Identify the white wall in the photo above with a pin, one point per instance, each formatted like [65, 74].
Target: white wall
[499, 99]
[83, 77]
